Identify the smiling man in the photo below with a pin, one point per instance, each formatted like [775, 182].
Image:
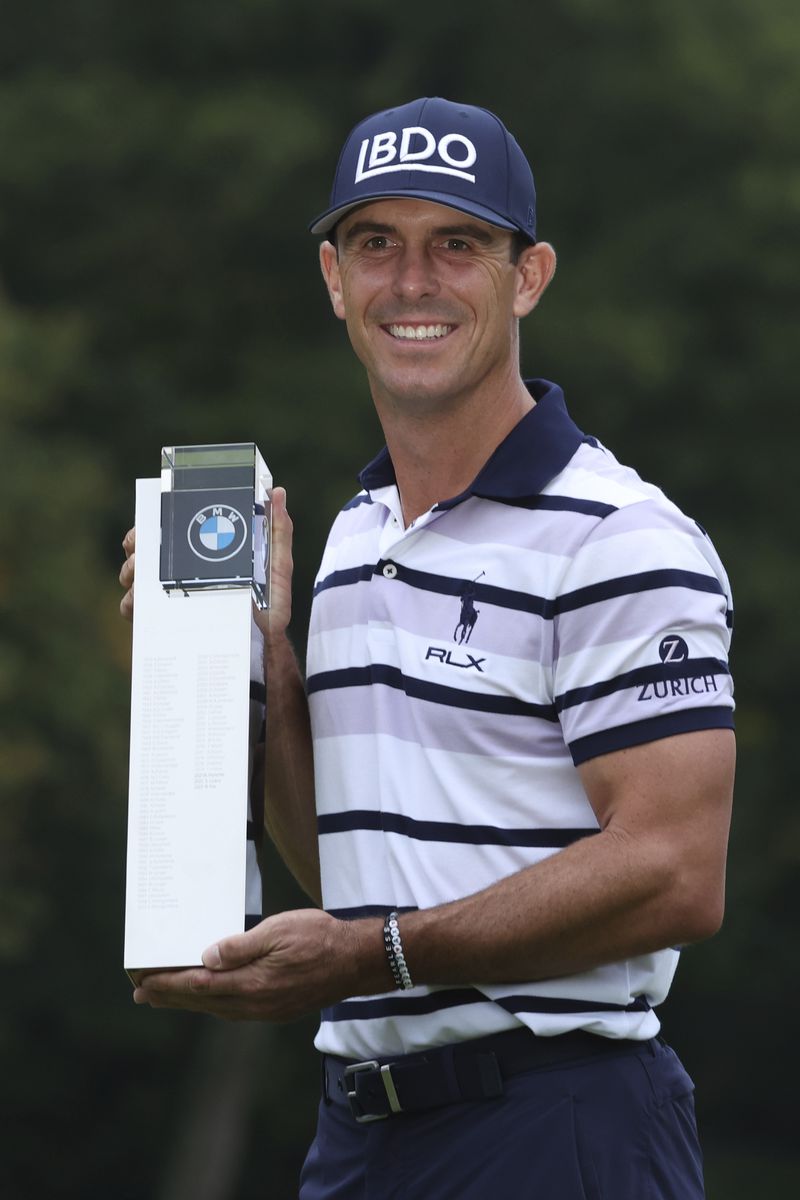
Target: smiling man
[508, 776]
[432, 307]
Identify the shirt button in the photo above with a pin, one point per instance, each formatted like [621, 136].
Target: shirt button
[389, 571]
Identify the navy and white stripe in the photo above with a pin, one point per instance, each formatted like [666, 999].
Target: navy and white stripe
[445, 756]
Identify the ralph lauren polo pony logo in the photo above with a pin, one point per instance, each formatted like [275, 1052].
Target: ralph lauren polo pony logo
[462, 633]
[469, 613]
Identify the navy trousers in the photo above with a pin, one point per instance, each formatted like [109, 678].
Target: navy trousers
[620, 1127]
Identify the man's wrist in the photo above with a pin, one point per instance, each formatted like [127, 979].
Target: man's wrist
[393, 944]
[276, 636]
[368, 966]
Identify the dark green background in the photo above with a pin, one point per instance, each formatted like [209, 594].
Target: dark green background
[158, 165]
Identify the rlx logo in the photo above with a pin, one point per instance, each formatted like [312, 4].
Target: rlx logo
[380, 155]
[447, 657]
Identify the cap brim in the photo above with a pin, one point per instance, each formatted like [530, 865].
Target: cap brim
[325, 222]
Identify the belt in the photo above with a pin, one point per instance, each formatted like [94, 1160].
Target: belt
[471, 1070]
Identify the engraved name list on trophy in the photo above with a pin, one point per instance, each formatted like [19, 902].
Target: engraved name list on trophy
[197, 695]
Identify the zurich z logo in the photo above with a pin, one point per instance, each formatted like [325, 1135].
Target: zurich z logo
[673, 649]
[454, 154]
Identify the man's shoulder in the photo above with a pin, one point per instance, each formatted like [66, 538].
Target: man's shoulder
[630, 511]
[595, 474]
[356, 512]
[356, 520]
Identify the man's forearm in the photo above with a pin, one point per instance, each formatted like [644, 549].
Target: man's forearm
[593, 903]
[289, 813]
[654, 877]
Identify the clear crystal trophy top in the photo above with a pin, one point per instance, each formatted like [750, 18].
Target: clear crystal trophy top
[215, 527]
[197, 703]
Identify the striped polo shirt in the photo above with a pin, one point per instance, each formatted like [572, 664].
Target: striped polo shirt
[458, 672]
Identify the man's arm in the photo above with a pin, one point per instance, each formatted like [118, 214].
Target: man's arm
[289, 812]
[652, 877]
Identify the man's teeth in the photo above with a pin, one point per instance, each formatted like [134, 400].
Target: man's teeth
[419, 332]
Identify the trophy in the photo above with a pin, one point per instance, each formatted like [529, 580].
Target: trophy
[197, 703]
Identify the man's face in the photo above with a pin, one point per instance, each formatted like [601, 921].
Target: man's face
[430, 297]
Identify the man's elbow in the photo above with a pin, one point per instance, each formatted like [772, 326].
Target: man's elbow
[698, 912]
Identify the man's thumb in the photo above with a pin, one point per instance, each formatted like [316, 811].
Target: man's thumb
[229, 953]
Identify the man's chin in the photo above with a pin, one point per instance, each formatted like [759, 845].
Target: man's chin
[425, 390]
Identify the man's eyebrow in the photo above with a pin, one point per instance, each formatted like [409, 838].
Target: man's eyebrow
[474, 232]
[361, 227]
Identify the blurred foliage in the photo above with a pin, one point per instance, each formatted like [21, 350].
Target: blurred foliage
[159, 165]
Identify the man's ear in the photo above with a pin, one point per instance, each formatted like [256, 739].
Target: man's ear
[535, 268]
[329, 264]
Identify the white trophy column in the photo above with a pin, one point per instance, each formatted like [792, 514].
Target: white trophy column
[189, 760]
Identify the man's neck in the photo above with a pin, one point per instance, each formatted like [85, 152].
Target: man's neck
[437, 454]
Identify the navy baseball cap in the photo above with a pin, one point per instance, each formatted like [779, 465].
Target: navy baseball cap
[433, 149]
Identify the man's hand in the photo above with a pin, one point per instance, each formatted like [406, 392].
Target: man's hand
[126, 574]
[272, 621]
[289, 965]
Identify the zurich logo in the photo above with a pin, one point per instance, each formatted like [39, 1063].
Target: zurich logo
[673, 649]
[217, 532]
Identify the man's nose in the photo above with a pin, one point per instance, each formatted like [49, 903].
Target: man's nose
[415, 274]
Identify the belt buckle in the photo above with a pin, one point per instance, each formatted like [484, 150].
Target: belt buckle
[388, 1084]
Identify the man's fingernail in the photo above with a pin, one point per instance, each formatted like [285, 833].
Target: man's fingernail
[212, 959]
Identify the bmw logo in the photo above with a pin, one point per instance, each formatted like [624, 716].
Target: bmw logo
[217, 532]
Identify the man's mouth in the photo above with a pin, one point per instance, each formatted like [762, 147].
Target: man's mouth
[419, 333]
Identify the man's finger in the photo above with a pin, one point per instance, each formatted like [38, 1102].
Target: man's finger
[282, 527]
[126, 575]
[176, 983]
[235, 951]
[278, 499]
[126, 572]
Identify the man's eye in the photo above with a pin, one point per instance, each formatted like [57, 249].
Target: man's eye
[378, 242]
[456, 244]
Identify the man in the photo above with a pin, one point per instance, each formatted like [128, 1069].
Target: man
[515, 823]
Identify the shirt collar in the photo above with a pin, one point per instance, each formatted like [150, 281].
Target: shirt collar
[536, 450]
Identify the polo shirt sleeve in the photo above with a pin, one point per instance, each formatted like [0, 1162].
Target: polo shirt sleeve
[642, 632]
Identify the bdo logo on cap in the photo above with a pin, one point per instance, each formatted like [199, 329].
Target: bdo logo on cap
[216, 532]
[380, 155]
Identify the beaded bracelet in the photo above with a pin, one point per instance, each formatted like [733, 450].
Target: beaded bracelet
[394, 952]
